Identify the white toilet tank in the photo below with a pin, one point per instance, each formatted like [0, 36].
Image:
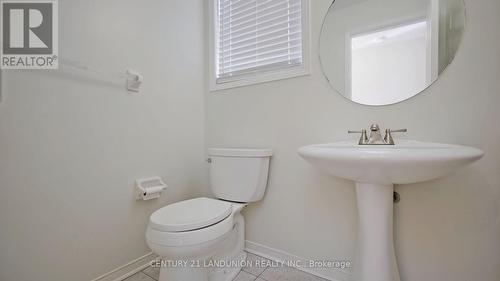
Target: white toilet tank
[239, 175]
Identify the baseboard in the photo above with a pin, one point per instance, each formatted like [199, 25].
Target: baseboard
[128, 269]
[331, 274]
[143, 262]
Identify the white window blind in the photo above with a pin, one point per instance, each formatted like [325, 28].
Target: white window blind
[257, 36]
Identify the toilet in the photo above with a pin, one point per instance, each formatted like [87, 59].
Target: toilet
[202, 239]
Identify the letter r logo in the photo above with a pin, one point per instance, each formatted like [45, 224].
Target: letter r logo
[27, 28]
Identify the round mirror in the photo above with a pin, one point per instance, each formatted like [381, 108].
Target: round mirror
[380, 52]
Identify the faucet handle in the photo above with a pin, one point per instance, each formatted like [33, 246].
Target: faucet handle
[388, 135]
[363, 139]
[398, 131]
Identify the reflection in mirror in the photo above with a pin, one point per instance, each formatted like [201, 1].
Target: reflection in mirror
[379, 52]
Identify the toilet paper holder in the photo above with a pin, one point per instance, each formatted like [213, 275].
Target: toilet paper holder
[149, 188]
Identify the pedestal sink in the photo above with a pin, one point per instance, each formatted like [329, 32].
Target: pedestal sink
[375, 169]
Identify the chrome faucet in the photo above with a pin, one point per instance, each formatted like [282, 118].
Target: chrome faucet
[375, 137]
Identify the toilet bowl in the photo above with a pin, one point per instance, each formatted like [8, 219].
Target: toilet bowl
[202, 239]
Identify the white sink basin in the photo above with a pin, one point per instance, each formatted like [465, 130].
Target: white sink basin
[404, 163]
[375, 169]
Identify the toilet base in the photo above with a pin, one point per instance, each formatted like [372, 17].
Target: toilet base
[226, 250]
[228, 273]
[204, 272]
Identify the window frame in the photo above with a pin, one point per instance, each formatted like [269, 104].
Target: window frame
[257, 77]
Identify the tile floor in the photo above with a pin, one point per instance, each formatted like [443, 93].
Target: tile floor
[246, 274]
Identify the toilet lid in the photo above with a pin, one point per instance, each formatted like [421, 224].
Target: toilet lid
[190, 215]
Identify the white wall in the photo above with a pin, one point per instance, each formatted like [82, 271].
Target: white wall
[71, 146]
[447, 229]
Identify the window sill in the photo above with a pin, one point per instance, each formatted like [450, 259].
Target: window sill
[258, 79]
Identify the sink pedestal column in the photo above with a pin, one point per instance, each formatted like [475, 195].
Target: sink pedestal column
[376, 259]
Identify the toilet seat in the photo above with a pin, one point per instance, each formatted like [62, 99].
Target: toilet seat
[190, 222]
[190, 215]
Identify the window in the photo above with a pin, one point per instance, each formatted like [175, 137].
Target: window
[256, 41]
